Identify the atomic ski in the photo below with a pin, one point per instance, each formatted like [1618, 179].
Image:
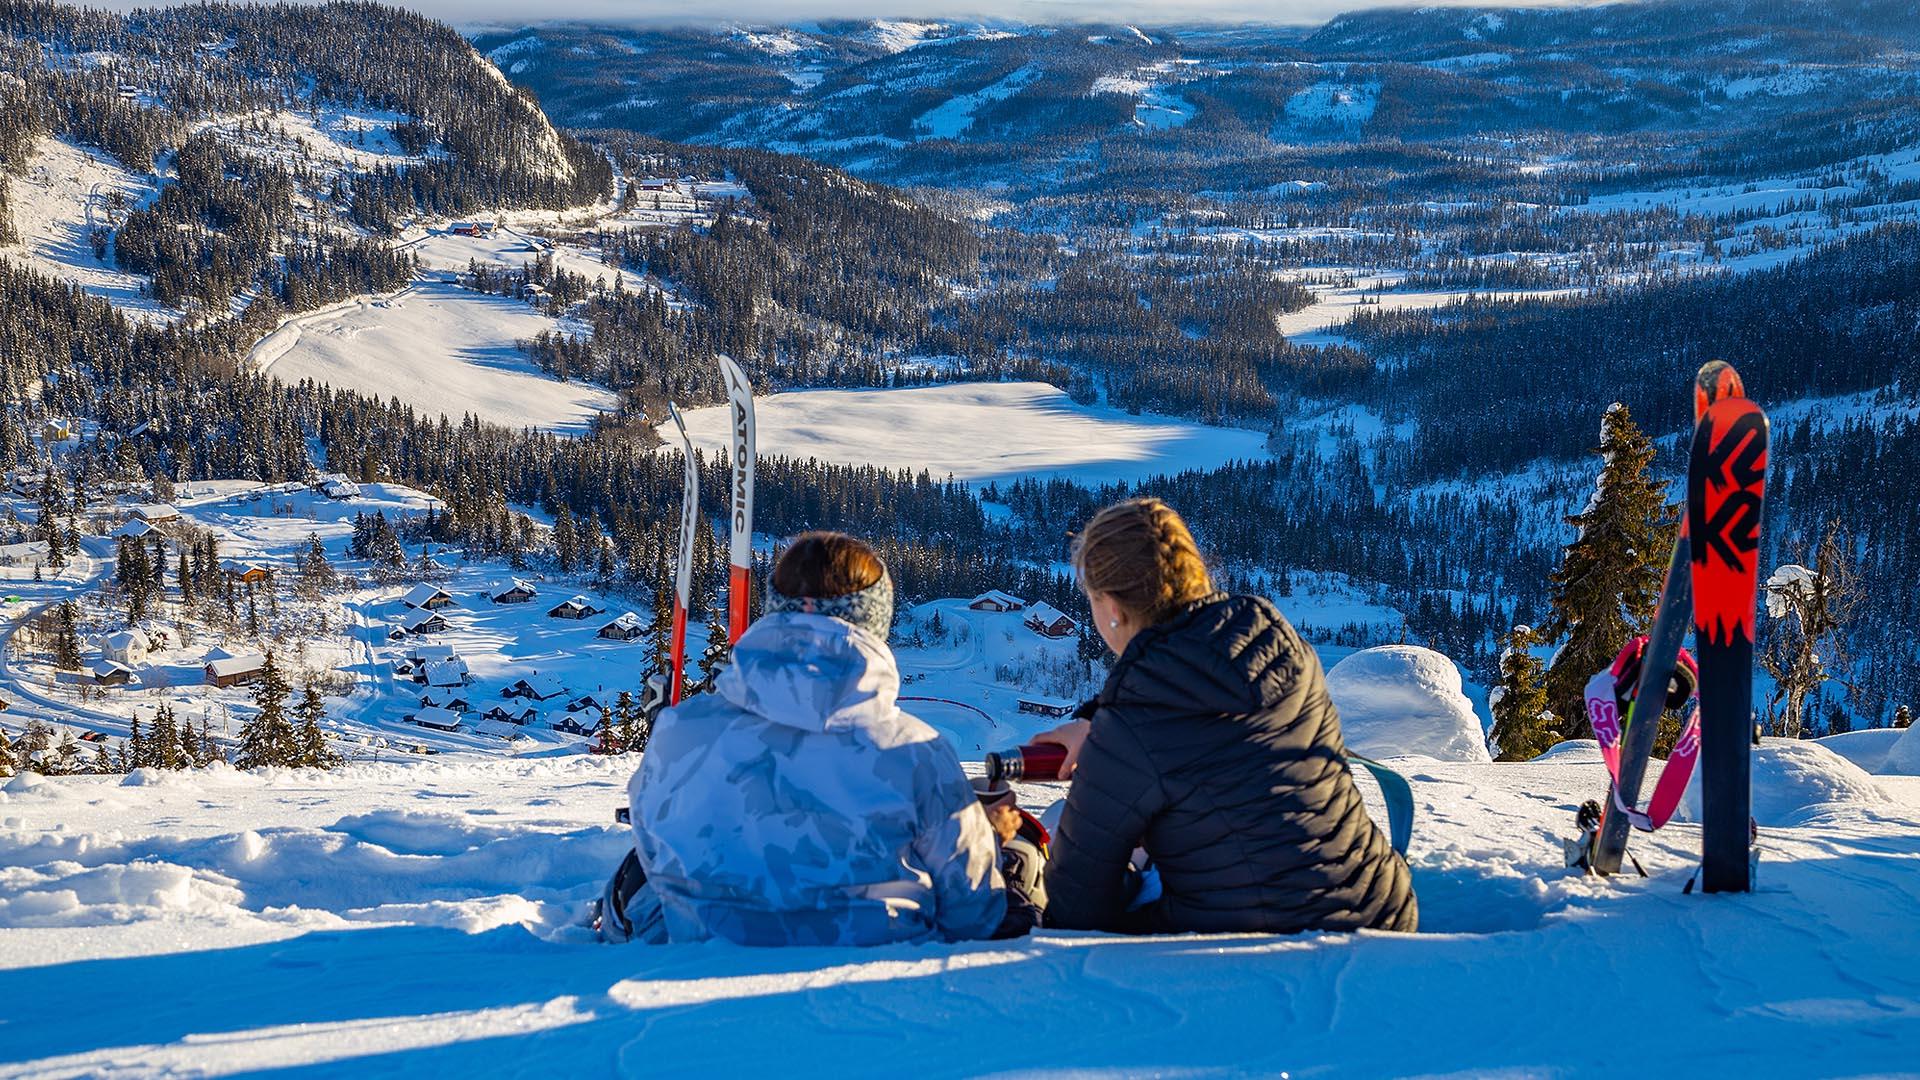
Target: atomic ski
[683, 569]
[1726, 497]
[739, 582]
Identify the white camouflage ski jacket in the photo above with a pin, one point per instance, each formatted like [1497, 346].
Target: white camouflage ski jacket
[797, 805]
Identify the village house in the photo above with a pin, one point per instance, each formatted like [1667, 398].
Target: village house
[425, 595]
[1055, 708]
[519, 592]
[235, 670]
[585, 703]
[450, 699]
[423, 621]
[246, 573]
[110, 673]
[576, 607]
[336, 486]
[154, 513]
[521, 715]
[1048, 621]
[625, 628]
[571, 726]
[433, 716]
[133, 529]
[995, 600]
[536, 687]
[56, 430]
[126, 646]
[445, 672]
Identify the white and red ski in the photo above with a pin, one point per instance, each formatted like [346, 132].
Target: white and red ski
[740, 518]
[683, 570]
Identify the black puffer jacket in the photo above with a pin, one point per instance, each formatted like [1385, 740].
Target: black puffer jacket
[1216, 748]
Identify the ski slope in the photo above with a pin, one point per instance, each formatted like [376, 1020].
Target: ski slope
[978, 432]
[420, 920]
[63, 194]
[437, 347]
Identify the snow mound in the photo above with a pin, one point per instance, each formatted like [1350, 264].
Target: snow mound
[1795, 782]
[1572, 752]
[1403, 700]
[1868, 748]
[1903, 756]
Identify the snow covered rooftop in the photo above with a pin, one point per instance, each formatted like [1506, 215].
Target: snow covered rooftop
[236, 665]
[426, 593]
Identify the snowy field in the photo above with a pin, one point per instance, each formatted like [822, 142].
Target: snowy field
[978, 432]
[1318, 323]
[421, 920]
[439, 348]
[65, 192]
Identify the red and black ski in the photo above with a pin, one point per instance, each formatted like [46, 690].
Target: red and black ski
[1726, 499]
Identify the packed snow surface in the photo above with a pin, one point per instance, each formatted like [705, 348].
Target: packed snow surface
[439, 348]
[420, 920]
[1402, 701]
[979, 432]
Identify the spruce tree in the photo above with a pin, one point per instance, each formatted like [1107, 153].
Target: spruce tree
[1523, 725]
[7, 766]
[605, 739]
[66, 636]
[165, 741]
[1609, 579]
[630, 726]
[310, 711]
[267, 738]
[135, 748]
[1903, 717]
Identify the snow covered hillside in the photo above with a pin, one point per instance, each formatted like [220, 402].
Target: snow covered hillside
[979, 432]
[68, 192]
[439, 348]
[420, 920]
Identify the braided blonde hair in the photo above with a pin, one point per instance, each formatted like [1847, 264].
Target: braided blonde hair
[1141, 553]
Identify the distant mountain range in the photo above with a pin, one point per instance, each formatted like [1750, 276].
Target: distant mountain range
[1020, 107]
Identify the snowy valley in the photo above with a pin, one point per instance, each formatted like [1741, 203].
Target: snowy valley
[337, 356]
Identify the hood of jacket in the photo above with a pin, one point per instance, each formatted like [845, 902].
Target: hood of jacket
[812, 672]
[1225, 654]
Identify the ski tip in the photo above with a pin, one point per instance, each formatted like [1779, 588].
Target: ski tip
[1716, 381]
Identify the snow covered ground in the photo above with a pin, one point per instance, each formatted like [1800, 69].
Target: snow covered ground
[439, 348]
[1318, 323]
[65, 192]
[979, 432]
[420, 919]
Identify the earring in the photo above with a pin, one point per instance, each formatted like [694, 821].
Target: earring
[1113, 624]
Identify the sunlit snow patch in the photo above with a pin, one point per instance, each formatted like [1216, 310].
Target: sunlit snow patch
[980, 432]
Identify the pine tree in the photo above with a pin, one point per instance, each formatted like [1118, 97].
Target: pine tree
[66, 636]
[7, 766]
[565, 543]
[310, 711]
[1903, 717]
[605, 739]
[1608, 584]
[267, 738]
[135, 748]
[167, 741]
[630, 726]
[316, 573]
[1523, 726]
[718, 653]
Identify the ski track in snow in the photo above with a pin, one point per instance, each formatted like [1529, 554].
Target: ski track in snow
[418, 920]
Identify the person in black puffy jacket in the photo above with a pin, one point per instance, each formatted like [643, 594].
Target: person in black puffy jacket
[1214, 747]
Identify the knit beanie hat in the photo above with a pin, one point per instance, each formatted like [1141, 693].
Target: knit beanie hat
[870, 609]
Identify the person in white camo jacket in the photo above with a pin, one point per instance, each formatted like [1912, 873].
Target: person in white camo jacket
[796, 804]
